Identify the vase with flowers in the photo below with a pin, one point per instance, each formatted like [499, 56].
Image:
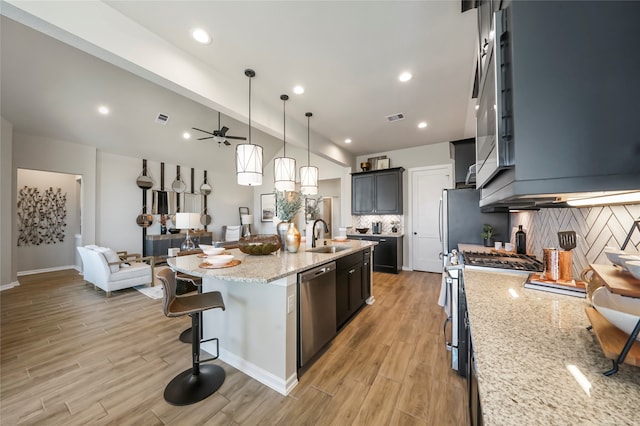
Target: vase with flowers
[288, 203]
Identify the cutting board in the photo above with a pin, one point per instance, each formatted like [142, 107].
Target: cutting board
[618, 281]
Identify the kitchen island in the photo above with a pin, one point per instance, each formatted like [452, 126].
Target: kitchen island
[536, 361]
[258, 330]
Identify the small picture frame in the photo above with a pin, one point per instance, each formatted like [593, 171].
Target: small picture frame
[267, 207]
[373, 161]
[383, 163]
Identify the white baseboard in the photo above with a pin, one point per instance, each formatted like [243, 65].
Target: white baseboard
[281, 386]
[40, 271]
[406, 268]
[8, 286]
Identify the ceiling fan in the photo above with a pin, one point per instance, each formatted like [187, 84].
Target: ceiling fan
[219, 135]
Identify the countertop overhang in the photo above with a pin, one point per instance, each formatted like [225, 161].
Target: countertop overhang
[537, 362]
[267, 268]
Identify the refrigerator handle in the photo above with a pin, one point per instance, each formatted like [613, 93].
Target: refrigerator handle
[440, 219]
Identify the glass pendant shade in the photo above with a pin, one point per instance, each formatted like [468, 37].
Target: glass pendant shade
[309, 180]
[249, 164]
[285, 174]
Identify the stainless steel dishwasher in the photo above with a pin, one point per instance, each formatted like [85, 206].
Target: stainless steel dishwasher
[316, 311]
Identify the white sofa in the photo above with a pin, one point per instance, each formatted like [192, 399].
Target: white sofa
[113, 271]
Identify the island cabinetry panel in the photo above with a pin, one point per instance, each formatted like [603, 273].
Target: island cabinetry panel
[377, 192]
[351, 278]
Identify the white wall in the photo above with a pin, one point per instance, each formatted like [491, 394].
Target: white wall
[60, 253]
[45, 154]
[7, 195]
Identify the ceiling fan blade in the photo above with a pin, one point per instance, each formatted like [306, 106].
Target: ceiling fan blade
[241, 138]
[207, 137]
[203, 131]
[227, 143]
[223, 130]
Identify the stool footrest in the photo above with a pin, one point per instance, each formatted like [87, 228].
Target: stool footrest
[198, 361]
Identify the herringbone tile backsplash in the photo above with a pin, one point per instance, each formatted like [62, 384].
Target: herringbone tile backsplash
[595, 227]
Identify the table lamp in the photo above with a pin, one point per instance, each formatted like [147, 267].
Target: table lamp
[187, 221]
[246, 220]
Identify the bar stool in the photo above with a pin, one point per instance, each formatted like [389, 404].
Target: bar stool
[200, 381]
[186, 335]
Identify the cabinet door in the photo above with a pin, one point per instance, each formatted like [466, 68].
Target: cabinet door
[342, 297]
[385, 255]
[388, 192]
[485, 22]
[362, 194]
[366, 275]
[356, 298]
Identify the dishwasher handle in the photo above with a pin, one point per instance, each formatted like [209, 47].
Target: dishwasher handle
[316, 272]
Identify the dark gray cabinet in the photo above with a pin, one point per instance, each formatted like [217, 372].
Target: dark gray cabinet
[377, 192]
[387, 254]
[352, 285]
[158, 245]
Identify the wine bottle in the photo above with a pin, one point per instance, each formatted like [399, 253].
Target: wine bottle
[521, 241]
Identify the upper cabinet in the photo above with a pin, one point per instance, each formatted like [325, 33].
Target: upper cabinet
[377, 192]
[558, 107]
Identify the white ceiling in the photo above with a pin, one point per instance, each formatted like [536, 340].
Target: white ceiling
[346, 54]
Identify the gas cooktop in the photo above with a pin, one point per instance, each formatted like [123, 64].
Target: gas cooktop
[509, 261]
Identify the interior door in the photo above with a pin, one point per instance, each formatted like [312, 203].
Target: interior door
[426, 190]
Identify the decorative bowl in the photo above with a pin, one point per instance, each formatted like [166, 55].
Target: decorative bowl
[633, 266]
[613, 254]
[626, 258]
[210, 250]
[621, 311]
[260, 244]
[362, 230]
[219, 260]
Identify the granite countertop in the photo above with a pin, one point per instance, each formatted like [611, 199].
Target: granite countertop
[526, 348]
[266, 268]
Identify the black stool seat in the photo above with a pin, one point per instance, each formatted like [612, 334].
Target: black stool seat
[200, 381]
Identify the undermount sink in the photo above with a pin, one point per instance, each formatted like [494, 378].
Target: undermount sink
[328, 249]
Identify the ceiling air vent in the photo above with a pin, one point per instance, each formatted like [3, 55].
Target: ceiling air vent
[162, 118]
[395, 117]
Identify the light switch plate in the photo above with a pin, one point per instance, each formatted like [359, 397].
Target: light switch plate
[290, 303]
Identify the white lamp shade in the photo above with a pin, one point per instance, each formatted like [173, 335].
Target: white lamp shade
[309, 180]
[246, 219]
[187, 220]
[249, 164]
[285, 174]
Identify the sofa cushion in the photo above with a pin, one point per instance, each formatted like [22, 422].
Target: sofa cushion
[135, 270]
[111, 256]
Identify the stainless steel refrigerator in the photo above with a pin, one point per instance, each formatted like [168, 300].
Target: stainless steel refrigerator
[462, 219]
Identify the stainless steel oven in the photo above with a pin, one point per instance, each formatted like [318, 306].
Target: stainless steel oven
[494, 132]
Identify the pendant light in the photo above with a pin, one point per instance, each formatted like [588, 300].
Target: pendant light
[248, 155]
[308, 173]
[284, 173]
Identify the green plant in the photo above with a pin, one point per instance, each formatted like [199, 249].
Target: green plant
[488, 232]
[287, 204]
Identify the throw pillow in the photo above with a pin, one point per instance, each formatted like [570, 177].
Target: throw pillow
[111, 256]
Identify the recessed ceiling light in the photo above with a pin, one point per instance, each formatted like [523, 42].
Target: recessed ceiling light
[298, 90]
[201, 36]
[186, 135]
[422, 125]
[347, 141]
[103, 110]
[405, 76]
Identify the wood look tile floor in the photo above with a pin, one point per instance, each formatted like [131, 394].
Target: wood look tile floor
[71, 356]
